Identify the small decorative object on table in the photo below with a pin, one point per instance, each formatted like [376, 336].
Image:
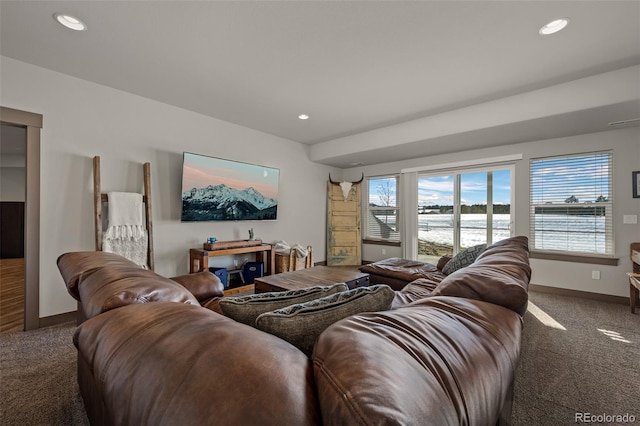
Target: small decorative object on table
[251, 234]
[211, 241]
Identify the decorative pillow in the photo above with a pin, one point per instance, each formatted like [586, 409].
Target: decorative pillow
[301, 324]
[245, 309]
[465, 258]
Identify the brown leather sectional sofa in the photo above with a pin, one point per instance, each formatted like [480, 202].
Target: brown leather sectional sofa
[151, 353]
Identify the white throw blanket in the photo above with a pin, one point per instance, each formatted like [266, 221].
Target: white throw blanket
[282, 247]
[126, 234]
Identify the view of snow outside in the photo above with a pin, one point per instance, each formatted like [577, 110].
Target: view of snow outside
[435, 206]
[557, 230]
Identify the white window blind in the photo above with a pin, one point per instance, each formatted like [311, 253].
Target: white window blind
[382, 212]
[572, 204]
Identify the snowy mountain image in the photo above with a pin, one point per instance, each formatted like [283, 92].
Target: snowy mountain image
[221, 202]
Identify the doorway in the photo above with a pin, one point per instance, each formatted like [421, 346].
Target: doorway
[30, 123]
[13, 141]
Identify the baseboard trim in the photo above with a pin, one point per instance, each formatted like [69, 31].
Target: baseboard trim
[57, 319]
[579, 293]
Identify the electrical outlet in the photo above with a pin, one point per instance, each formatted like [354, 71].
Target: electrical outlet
[384, 251]
[595, 275]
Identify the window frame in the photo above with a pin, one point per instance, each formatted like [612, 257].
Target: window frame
[606, 257]
[370, 239]
[489, 169]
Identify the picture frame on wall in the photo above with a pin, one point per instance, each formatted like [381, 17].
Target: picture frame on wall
[636, 184]
[219, 189]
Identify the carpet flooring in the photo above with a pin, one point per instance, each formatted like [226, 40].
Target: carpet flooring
[38, 378]
[579, 357]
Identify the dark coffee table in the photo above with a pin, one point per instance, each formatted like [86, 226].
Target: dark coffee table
[318, 275]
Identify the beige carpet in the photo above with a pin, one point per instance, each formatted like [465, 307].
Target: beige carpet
[38, 378]
[578, 357]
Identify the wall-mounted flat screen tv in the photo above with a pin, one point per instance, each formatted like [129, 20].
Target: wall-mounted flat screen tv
[218, 189]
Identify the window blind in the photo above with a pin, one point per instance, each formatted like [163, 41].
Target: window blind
[572, 203]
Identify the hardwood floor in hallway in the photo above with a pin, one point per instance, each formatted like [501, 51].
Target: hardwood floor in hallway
[11, 295]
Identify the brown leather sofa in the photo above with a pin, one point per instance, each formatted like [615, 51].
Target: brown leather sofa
[397, 272]
[445, 356]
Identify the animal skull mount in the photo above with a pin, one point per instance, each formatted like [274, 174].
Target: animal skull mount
[345, 186]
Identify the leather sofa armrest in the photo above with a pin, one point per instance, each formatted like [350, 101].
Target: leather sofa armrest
[203, 285]
[443, 261]
[212, 304]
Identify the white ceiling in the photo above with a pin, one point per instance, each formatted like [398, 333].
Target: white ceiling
[353, 66]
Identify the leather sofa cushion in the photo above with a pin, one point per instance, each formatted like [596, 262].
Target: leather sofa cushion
[442, 262]
[500, 275]
[302, 323]
[374, 366]
[246, 309]
[175, 364]
[105, 281]
[415, 290]
[111, 287]
[402, 269]
[203, 285]
[73, 264]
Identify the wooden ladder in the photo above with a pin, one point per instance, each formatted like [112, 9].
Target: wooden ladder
[99, 198]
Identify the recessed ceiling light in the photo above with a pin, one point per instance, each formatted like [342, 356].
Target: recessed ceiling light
[70, 21]
[303, 116]
[554, 26]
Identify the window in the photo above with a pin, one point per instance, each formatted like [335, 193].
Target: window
[461, 209]
[572, 204]
[382, 212]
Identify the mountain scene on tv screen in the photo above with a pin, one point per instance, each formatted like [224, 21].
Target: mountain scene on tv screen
[221, 202]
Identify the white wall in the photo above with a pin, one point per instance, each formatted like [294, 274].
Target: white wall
[12, 162]
[83, 119]
[625, 144]
[12, 183]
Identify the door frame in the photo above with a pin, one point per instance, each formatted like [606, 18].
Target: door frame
[33, 123]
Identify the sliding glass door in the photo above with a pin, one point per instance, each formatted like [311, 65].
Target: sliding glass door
[435, 217]
[462, 209]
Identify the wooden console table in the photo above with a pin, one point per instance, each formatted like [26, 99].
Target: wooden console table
[199, 258]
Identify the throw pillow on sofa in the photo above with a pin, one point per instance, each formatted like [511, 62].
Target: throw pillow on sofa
[245, 309]
[301, 324]
[465, 258]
